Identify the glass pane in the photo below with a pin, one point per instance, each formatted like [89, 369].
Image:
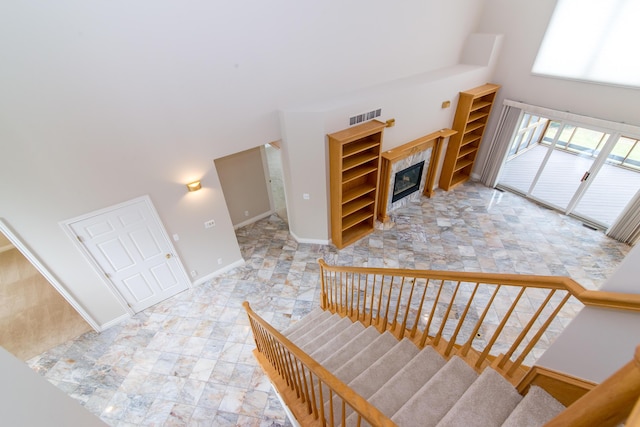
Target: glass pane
[586, 141]
[560, 178]
[551, 132]
[612, 188]
[565, 136]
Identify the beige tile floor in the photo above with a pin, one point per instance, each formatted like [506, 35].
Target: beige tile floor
[188, 361]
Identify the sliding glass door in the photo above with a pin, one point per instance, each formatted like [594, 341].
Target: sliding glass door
[585, 172]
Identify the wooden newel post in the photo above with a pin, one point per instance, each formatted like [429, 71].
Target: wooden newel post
[609, 403]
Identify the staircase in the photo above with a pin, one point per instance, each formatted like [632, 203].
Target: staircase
[400, 347]
[414, 387]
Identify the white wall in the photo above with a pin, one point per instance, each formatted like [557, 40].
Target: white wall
[415, 104]
[523, 24]
[243, 180]
[28, 399]
[598, 341]
[103, 102]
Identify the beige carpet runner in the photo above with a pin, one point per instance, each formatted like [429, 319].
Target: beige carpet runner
[416, 387]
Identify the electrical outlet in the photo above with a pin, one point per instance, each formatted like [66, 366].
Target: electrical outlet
[306, 196]
[194, 273]
[210, 223]
[219, 261]
[246, 213]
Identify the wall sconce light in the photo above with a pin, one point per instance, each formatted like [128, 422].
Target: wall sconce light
[194, 186]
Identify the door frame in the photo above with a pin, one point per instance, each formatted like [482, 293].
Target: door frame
[66, 226]
[33, 259]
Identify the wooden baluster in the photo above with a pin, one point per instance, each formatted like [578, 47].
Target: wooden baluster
[312, 389]
[358, 303]
[445, 318]
[380, 296]
[344, 413]
[537, 336]
[498, 330]
[321, 400]
[352, 287]
[396, 312]
[460, 321]
[425, 333]
[385, 320]
[331, 414]
[373, 292]
[298, 377]
[416, 323]
[525, 331]
[363, 314]
[403, 326]
[467, 346]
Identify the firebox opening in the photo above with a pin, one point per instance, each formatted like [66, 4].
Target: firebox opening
[407, 181]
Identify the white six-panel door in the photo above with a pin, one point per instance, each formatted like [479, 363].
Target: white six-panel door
[129, 244]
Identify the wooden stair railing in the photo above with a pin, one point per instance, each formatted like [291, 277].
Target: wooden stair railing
[455, 311]
[302, 380]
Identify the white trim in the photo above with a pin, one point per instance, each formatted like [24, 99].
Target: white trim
[254, 219]
[600, 124]
[66, 227]
[235, 264]
[115, 322]
[312, 241]
[13, 238]
[290, 415]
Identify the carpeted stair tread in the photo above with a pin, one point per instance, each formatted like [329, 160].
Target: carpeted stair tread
[486, 403]
[534, 410]
[326, 335]
[342, 355]
[379, 372]
[405, 383]
[330, 346]
[365, 357]
[307, 334]
[434, 399]
[298, 328]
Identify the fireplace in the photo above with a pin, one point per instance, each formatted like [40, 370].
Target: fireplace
[407, 181]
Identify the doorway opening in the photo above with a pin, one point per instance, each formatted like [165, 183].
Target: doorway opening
[276, 182]
[35, 315]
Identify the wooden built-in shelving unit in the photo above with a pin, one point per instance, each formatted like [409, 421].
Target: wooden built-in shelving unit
[354, 165]
[472, 114]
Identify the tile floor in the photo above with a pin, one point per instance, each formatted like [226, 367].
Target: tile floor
[188, 361]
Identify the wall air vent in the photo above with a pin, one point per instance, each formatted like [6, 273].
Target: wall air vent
[364, 117]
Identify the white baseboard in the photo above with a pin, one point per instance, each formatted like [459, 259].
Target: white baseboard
[290, 415]
[254, 219]
[114, 322]
[312, 241]
[235, 264]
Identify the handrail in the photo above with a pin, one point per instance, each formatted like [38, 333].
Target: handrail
[432, 307]
[309, 380]
[608, 404]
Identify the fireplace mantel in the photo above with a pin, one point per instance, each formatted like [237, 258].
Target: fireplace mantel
[388, 158]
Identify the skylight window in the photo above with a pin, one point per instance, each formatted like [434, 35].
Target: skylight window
[594, 41]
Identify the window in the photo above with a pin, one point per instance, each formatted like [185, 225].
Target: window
[592, 41]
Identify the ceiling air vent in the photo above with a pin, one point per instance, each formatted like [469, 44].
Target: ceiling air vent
[364, 117]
